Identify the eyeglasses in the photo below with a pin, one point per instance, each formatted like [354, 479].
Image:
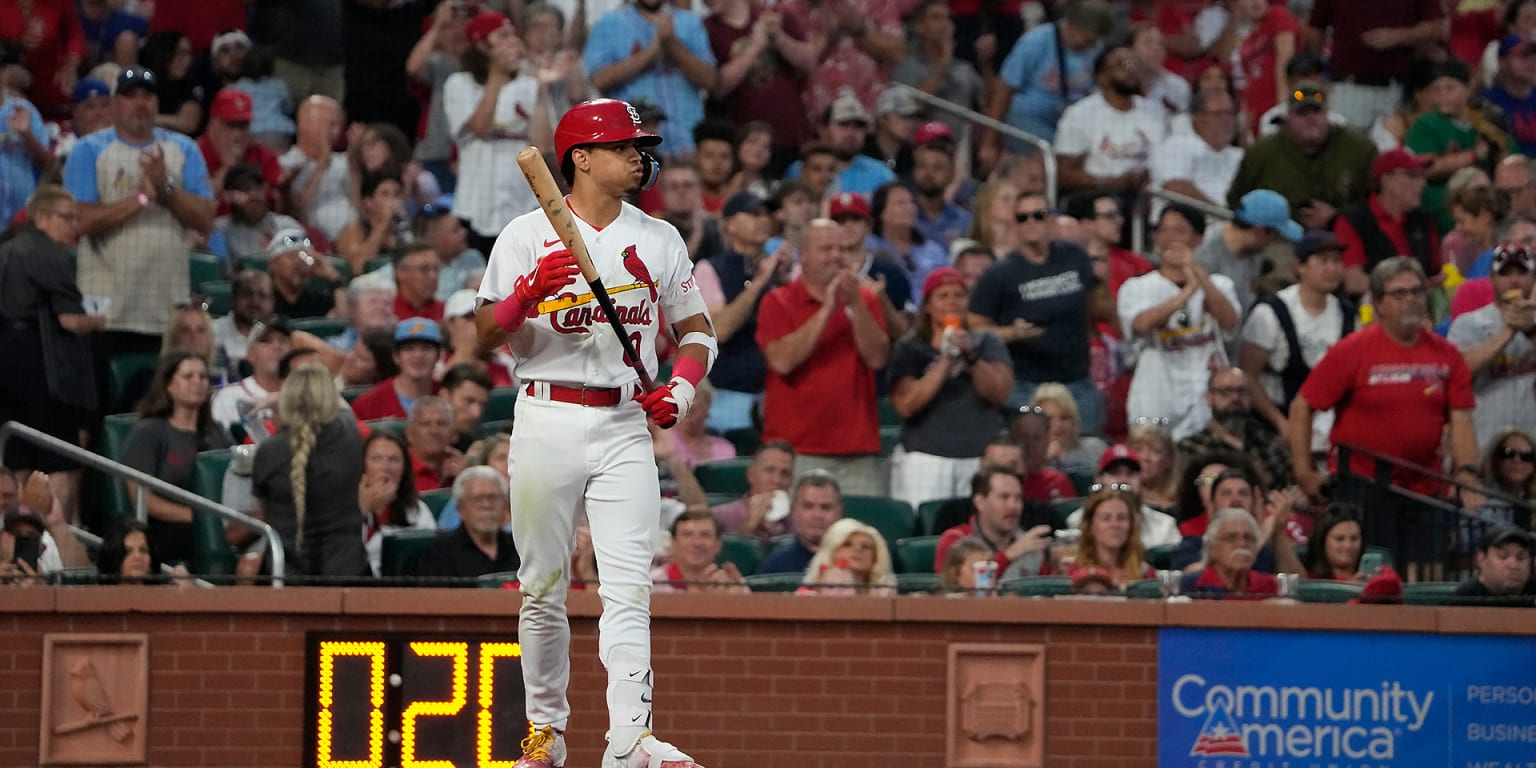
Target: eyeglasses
[1121, 487]
[1404, 294]
[1511, 454]
[1204, 480]
[1033, 409]
[1023, 216]
[483, 498]
[1315, 98]
[1161, 421]
[299, 246]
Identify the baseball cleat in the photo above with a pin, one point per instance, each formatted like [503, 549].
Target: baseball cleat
[650, 752]
[544, 748]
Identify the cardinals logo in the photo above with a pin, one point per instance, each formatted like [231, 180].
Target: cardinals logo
[634, 266]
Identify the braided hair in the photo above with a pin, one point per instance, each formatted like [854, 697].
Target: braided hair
[306, 403]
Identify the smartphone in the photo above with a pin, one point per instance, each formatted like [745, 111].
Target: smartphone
[27, 550]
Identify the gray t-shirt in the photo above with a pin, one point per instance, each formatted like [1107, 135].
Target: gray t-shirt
[1504, 387]
[157, 449]
[1217, 259]
[435, 143]
[243, 239]
[334, 467]
[961, 85]
[957, 423]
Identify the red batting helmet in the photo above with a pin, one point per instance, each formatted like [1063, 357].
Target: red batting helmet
[600, 121]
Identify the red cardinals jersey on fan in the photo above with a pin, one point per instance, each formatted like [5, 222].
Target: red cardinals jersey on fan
[644, 265]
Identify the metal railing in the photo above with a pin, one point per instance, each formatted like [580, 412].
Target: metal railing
[145, 483]
[1143, 209]
[1047, 152]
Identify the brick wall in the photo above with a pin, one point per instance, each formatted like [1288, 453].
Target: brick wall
[767, 681]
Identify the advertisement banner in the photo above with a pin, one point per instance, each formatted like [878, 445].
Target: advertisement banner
[1272, 699]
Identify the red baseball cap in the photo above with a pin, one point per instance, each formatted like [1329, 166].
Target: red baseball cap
[931, 131]
[231, 106]
[939, 277]
[848, 203]
[483, 24]
[1118, 452]
[1398, 160]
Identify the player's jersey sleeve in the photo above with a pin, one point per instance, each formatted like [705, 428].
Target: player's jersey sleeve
[679, 294]
[511, 258]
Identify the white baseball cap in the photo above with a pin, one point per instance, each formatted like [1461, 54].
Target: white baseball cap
[459, 304]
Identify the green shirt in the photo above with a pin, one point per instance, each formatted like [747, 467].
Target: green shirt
[1437, 134]
[1340, 172]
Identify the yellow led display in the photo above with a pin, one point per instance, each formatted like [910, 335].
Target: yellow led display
[489, 653]
[459, 652]
[329, 651]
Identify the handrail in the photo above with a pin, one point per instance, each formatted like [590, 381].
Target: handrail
[1143, 208]
[1047, 152]
[1384, 465]
[12, 429]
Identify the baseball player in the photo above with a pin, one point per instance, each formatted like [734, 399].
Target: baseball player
[580, 438]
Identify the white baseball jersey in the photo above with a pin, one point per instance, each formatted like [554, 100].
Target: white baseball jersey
[645, 267]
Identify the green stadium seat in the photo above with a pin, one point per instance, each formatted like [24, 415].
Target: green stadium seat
[885, 411]
[256, 260]
[1063, 508]
[892, 518]
[203, 267]
[376, 263]
[724, 476]
[121, 370]
[780, 542]
[396, 426]
[114, 437]
[500, 405]
[1161, 557]
[218, 294]
[775, 582]
[915, 554]
[1082, 481]
[213, 556]
[928, 515]
[324, 327]
[1429, 593]
[890, 437]
[747, 440]
[496, 580]
[401, 550]
[1326, 591]
[1038, 586]
[342, 268]
[1144, 589]
[353, 393]
[917, 583]
[1374, 558]
[436, 500]
[745, 551]
[74, 577]
[488, 428]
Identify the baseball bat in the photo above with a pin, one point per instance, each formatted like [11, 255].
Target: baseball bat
[531, 160]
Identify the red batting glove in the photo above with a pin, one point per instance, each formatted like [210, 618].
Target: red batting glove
[671, 401]
[552, 273]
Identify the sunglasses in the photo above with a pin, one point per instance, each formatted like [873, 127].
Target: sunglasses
[1121, 487]
[1513, 254]
[302, 245]
[1024, 216]
[1511, 454]
[1315, 98]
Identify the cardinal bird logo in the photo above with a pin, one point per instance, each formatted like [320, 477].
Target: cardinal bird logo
[86, 688]
[634, 266]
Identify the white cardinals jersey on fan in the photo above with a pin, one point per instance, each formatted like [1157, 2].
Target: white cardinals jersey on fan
[644, 265]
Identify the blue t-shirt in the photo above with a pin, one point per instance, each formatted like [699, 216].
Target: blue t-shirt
[1521, 114]
[616, 36]
[80, 168]
[1032, 70]
[18, 177]
[100, 36]
[862, 176]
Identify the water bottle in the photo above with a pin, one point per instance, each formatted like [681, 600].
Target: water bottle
[948, 345]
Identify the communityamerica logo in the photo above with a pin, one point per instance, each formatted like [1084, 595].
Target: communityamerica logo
[1277, 723]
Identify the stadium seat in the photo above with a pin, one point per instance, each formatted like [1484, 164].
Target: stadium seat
[1063, 508]
[402, 549]
[780, 542]
[256, 260]
[114, 436]
[1144, 589]
[342, 268]
[724, 476]
[892, 518]
[488, 428]
[121, 369]
[746, 440]
[745, 551]
[890, 437]
[324, 327]
[1374, 558]
[396, 426]
[376, 263]
[74, 577]
[1429, 593]
[1082, 481]
[353, 393]
[1038, 586]
[917, 583]
[217, 292]
[915, 554]
[203, 267]
[496, 580]
[1161, 557]
[928, 515]
[1326, 591]
[213, 556]
[775, 582]
[436, 500]
[885, 410]
[500, 404]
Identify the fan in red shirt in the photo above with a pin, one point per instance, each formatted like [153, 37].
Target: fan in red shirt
[227, 143]
[1231, 547]
[1394, 387]
[418, 342]
[1030, 427]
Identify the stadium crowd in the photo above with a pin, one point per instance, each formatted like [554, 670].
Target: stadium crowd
[246, 239]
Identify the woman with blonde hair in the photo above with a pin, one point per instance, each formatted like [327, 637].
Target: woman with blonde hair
[852, 560]
[304, 478]
[1159, 455]
[993, 225]
[1111, 539]
[1068, 450]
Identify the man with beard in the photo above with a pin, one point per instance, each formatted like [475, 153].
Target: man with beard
[933, 170]
[1496, 341]
[1236, 426]
[843, 131]
[249, 225]
[1105, 141]
[1394, 388]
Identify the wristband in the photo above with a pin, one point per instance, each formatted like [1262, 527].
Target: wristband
[510, 313]
[143, 200]
[689, 370]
